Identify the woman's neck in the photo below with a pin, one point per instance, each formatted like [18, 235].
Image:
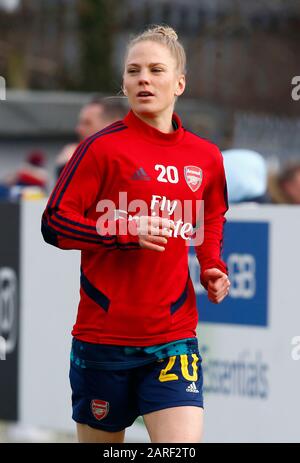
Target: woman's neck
[163, 122]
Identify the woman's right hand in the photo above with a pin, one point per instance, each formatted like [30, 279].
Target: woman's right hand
[153, 232]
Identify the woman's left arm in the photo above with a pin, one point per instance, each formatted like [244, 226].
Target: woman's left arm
[213, 269]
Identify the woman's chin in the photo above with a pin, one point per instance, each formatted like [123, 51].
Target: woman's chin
[146, 109]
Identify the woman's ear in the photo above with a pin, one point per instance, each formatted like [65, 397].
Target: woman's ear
[180, 85]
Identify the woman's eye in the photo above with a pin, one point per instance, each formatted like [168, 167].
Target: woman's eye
[131, 71]
[156, 70]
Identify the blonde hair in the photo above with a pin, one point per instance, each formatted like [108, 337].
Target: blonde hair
[165, 35]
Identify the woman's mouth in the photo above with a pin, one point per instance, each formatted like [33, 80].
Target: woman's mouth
[145, 94]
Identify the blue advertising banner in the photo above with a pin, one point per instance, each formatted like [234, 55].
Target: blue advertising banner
[246, 249]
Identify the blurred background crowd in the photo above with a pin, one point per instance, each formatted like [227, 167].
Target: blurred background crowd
[62, 64]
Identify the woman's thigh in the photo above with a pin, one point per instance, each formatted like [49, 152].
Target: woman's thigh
[170, 398]
[175, 424]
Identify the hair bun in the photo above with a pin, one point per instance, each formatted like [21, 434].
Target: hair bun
[167, 31]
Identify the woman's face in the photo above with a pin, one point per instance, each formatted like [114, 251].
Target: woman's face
[151, 80]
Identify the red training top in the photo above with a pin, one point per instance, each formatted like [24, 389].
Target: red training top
[131, 295]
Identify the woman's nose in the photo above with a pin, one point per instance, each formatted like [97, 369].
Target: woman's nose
[144, 77]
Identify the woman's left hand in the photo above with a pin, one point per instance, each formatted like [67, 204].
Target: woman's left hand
[217, 284]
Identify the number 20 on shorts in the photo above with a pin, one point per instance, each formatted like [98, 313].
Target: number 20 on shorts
[165, 374]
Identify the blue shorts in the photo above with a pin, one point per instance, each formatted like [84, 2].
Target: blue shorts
[112, 400]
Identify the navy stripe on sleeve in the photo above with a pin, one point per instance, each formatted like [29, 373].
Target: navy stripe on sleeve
[80, 157]
[51, 236]
[77, 153]
[82, 233]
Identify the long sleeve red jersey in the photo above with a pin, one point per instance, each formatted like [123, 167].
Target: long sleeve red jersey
[130, 295]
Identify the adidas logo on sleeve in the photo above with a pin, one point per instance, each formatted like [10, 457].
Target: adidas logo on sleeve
[192, 388]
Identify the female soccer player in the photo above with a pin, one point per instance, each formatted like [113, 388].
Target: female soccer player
[129, 200]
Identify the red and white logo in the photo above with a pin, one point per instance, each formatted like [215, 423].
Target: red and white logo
[100, 409]
[193, 177]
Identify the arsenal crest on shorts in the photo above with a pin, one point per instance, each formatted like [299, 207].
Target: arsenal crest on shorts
[193, 177]
[100, 409]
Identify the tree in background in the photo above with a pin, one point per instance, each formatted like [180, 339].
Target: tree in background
[96, 24]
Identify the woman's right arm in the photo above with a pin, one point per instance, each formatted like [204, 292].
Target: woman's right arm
[64, 221]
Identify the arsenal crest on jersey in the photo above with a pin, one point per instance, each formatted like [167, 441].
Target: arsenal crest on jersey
[100, 409]
[193, 177]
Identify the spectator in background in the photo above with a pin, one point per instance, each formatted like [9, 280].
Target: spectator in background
[94, 116]
[246, 174]
[284, 188]
[32, 173]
